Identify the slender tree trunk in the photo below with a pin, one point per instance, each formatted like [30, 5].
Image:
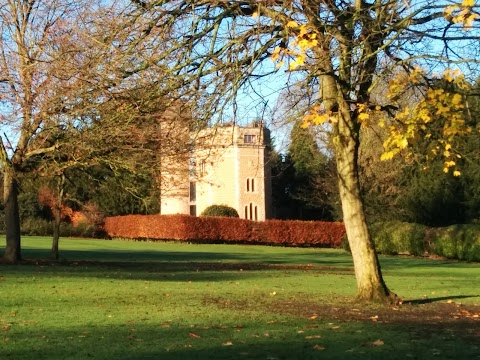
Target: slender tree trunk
[370, 283]
[12, 217]
[57, 217]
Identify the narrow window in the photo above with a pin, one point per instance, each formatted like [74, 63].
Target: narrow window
[193, 210]
[256, 213]
[248, 185]
[251, 211]
[253, 185]
[246, 212]
[192, 167]
[193, 191]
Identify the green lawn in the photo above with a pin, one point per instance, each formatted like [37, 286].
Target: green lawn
[138, 300]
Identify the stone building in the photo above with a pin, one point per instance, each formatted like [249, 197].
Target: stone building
[228, 166]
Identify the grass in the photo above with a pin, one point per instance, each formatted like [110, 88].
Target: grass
[131, 300]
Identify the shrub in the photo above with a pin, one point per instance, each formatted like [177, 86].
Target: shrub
[457, 242]
[396, 237]
[220, 210]
[40, 227]
[460, 242]
[36, 227]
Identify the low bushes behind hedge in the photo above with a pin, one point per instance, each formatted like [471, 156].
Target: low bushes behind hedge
[42, 227]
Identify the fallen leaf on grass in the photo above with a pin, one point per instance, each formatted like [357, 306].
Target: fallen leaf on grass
[313, 317]
[375, 343]
[193, 335]
[228, 343]
[313, 337]
[319, 347]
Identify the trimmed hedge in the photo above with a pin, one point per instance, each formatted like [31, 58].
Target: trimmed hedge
[460, 242]
[220, 210]
[395, 237]
[224, 229]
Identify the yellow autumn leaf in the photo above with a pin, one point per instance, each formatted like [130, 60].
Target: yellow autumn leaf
[255, 14]
[292, 24]
[449, 10]
[469, 21]
[363, 117]
[300, 60]
[276, 53]
[468, 3]
[457, 173]
[456, 99]
[387, 155]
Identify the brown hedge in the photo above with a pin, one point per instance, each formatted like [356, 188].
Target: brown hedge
[225, 229]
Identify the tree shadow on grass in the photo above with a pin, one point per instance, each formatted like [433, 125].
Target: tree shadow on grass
[287, 258]
[438, 299]
[162, 270]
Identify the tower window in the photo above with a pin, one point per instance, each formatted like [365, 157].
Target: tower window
[250, 185]
[248, 139]
[193, 191]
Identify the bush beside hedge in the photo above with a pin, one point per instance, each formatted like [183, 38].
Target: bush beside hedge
[225, 229]
[219, 210]
[460, 242]
[42, 227]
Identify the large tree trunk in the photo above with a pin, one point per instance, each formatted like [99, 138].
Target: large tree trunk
[12, 217]
[370, 283]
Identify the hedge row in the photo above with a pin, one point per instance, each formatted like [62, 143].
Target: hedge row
[225, 229]
[460, 242]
